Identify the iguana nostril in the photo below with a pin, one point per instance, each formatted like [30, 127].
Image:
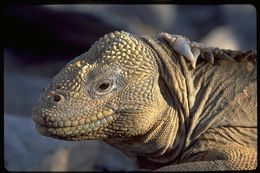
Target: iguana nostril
[56, 98]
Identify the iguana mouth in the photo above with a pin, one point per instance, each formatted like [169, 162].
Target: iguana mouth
[58, 128]
[74, 130]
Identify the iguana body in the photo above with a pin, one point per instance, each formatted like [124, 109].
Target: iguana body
[139, 95]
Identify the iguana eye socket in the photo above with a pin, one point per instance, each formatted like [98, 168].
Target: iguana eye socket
[104, 87]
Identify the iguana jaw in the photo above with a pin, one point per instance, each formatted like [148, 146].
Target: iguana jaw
[83, 129]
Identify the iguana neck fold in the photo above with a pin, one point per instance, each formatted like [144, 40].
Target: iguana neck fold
[161, 145]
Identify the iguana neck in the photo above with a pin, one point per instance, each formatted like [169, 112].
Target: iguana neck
[205, 95]
[159, 146]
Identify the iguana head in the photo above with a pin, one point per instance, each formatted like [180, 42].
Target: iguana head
[111, 91]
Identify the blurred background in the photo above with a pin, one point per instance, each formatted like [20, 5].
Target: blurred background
[40, 40]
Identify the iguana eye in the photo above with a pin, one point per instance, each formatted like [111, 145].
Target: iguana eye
[104, 87]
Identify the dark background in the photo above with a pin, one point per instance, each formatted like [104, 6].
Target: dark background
[39, 40]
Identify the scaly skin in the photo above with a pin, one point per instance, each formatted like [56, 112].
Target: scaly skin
[138, 94]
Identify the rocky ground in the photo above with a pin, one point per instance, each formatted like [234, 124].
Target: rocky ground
[40, 40]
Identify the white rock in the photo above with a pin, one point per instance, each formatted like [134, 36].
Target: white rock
[221, 37]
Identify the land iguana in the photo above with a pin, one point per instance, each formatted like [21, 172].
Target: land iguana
[169, 103]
